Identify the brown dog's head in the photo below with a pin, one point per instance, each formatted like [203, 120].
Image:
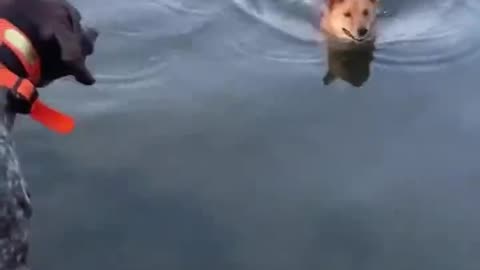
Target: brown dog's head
[350, 19]
[63, 44]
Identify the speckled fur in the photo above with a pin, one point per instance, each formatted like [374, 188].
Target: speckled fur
[15, 206]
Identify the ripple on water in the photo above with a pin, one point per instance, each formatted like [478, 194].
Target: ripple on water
[139, 44]
[412, 34]
[297, 42]
[138, 41]
[428, 36]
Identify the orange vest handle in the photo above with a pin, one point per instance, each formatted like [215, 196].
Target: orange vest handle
[24, 93]
[51, 118]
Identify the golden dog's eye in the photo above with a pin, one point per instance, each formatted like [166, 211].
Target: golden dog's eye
[347, 14]
[365, 12]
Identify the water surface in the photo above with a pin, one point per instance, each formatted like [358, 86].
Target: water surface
[211, 142]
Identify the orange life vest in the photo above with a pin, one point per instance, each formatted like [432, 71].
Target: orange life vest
[24, 88]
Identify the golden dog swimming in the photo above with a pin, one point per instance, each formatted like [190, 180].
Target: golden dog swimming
[352, 20]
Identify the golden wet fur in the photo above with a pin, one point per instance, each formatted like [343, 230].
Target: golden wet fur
[350, 62]
[350, 19]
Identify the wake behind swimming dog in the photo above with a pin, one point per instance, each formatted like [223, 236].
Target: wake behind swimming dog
[352, 20]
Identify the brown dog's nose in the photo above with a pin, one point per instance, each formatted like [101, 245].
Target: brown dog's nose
[91, 34]
[362, 31]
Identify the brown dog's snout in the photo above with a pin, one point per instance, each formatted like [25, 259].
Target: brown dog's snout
[91, 34]
[82, 74]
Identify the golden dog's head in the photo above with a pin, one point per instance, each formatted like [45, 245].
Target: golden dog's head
[350, 19]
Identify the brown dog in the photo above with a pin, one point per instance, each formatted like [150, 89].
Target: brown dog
[54, 29]
[44, 40]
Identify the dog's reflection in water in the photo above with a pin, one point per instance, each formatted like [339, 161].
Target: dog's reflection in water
[349, 62]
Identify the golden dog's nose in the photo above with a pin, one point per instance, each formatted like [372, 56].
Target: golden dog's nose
[362, 31]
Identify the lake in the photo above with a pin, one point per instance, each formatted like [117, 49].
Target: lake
[210, 141]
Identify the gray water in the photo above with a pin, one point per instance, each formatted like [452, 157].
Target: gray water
[211, 142]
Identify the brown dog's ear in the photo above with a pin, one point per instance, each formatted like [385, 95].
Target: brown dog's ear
[75, 44]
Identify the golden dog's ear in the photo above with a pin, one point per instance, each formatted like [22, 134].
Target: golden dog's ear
[74, 42]
[332, 3]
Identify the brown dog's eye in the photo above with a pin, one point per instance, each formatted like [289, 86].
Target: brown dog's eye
[347, 14]
[365, 12]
